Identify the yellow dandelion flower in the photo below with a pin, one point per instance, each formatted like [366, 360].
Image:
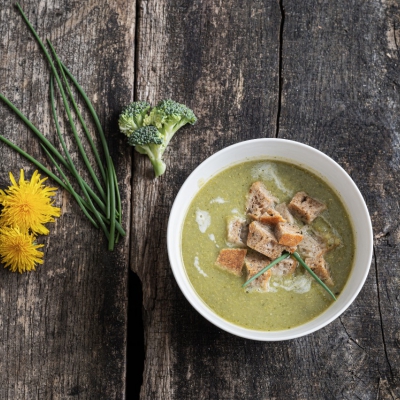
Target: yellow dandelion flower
[28, 204]
[18, 250]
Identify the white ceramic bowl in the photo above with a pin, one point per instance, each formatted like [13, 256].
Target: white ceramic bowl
[310, 159]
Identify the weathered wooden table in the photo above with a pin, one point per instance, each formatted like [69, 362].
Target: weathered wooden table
[325, 73]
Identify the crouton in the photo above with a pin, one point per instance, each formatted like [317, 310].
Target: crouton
[312, 245]
[271, 217]
[284, 211]
[259, 200]
[262, 239]
[254, 263]
[320, 268]
[284, 267]
[237, 231]
[288, 234]
[231, 260]
[305, 207]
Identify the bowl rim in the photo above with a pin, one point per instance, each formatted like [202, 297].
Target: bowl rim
[175, 253]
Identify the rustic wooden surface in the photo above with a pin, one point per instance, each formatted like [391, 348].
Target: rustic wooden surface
[63, 328]
[320, 72]
[323, 73]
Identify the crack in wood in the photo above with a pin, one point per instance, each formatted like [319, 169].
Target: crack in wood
[136, 50]
[380, 313]
[348, 335]
[394, 35]
[280, 77]
[133, 389]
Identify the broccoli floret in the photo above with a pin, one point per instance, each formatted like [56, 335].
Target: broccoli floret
[169, 116]
[162, 123]
[132, 117]
[147, 140]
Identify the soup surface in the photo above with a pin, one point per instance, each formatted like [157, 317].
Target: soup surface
[293, 299]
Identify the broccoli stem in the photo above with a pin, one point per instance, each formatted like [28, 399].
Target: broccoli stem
[169, 132]
[159, 167]
[158, 164]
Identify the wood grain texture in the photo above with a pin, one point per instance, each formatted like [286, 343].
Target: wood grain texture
[221, 59]
[63, 327]
[347, 105]
[322, 73]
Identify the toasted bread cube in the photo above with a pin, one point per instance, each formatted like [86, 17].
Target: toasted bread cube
[237, 231]
[305, 207]
[254, 263]
[288, 234]
[284, 267]
[231, 260]
[259, 200]
[284, 211]
[271, 217]
[312, 245]
[262, 239]
[320, 268]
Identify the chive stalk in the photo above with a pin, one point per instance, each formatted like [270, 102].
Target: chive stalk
[70, 162]
[35, 162]
[78, 113]
[67, 108]
[33, 128]
[96, 120]
[39, 165]
[111, 240]
[119, 206]
[71, 190]
[94, 196]
[76, 136]
[108, 203]
[82, 203]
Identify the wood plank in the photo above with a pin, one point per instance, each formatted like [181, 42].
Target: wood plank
[339, 93]
[63, 327]
[221, 59]
[339, 97]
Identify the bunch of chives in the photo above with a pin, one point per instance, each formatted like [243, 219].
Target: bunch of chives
[103, 209]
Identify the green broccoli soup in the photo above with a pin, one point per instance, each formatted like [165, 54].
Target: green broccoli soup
[246, 216]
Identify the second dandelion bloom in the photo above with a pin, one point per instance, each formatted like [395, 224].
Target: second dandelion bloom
[19, 250]
[28, 205]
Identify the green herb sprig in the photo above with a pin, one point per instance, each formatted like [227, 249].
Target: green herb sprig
[300, 260]
[103, 210]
